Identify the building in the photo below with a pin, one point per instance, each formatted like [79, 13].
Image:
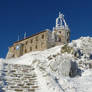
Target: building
[42, 40]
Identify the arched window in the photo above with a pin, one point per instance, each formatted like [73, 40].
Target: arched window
[68, 34]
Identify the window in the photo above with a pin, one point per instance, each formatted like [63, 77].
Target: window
[68, 34]
[30, 48]
[59, 39]
[60, 32]
[36, 46]
[36, 38]
[31, 41]
[14, 48]
[25, 51]
[26, 42]
[13, 55]
[67, 40]
[43, 36]
[17, 47]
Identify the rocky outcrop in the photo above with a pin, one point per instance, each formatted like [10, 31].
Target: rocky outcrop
[64, 66]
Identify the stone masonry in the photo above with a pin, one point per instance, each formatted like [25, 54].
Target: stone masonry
[18, 78]
[37, 42]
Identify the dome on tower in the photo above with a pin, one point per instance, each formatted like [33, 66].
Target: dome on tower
[60, 22]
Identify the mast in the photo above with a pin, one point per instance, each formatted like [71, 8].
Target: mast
[24, 35]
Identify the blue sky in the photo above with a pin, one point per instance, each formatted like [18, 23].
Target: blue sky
[32, 16]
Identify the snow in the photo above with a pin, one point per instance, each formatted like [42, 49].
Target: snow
[50, 64]
[28, 59]
[1, 63]
[83, 83]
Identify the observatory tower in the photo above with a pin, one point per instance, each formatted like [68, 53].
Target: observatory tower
[61, 32]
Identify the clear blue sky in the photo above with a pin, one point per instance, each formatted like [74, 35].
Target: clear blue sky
[32, 16]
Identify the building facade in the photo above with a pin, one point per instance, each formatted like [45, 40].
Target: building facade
[42, 40]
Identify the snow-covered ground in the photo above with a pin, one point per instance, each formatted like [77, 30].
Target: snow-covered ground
[53, 67]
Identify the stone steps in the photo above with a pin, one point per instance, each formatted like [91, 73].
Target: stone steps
[18, 78]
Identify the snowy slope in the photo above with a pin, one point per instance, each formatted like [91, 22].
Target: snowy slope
[53, 67]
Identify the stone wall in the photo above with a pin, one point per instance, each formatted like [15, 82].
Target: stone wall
[37, 42]
[18, 78]
[62, 36]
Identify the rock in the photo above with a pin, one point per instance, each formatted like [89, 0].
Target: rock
[77, 53]
[73, 69]
[64, 66]
[90, 56]
[67, 49]
[90, 65]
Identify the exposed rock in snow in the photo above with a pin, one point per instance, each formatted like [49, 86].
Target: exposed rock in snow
[64, 66]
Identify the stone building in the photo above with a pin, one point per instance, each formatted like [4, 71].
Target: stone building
[42, 40]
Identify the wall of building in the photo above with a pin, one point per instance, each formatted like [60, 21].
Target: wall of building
[61, 36]
[50, 41]
[38, 42]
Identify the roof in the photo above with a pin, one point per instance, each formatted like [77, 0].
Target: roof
[31, 36]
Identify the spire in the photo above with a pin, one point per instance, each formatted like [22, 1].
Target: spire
[60, 21]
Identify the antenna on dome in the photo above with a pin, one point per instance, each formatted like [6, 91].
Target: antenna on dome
[24, 35]
[60, 21]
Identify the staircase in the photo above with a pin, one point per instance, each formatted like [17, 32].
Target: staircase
[18, 78]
